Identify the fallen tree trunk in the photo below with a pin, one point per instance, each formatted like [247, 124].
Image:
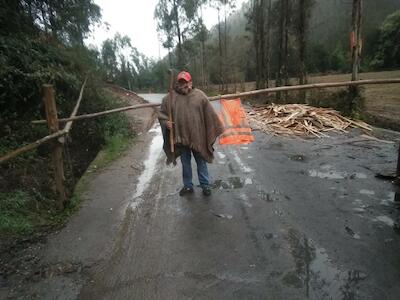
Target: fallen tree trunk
[32, 145]
[306, 87]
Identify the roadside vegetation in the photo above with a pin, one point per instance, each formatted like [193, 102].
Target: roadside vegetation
[36, 49]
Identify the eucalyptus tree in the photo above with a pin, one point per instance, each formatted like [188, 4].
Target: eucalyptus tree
[165, 26]
[259, 17]
[302, 19]
[175, 19]
[228, 6]
[69, 21]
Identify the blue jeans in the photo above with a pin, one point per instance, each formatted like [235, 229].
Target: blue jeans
[202, 170]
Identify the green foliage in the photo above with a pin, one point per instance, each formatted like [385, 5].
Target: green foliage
[115, 125]
[26, 64]
[388, 52]
[125, 65]
[339, 60]
[318, 59]
[17, 213]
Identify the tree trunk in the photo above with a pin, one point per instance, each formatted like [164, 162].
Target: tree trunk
[259, 42]
[279, 76]
[256, 40]
[355, 54]
[286, 46]
[225, 66]
[302, 47]
[220, 54]
[203, 50]
[268, 44]
[181, 62]
[356, 37]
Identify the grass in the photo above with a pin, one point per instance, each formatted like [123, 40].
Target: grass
[18, 213]
[115, 146]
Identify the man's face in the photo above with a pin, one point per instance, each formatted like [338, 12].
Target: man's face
[184, 86]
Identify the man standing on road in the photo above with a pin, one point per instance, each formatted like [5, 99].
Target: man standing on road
[195, 126]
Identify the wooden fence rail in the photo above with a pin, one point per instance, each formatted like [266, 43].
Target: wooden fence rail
[237, 95]
[102, 113]
[73, 116]
[306, 87]
[31, 146]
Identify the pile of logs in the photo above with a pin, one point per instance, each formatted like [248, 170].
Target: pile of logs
[300, 119]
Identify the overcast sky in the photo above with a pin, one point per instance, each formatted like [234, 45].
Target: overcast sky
[135, 18]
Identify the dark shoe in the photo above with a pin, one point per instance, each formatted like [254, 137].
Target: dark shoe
[185, 191]
[207, 191]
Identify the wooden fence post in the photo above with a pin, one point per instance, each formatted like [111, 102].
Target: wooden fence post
[57, 153]
[398, 168]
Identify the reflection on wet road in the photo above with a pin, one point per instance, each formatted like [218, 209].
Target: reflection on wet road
[149, 165]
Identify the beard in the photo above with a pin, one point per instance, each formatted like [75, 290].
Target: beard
[183, 90]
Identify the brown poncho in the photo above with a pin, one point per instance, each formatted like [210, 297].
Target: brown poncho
[196, 124]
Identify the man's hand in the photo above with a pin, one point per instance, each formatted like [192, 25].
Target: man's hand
[169, 124]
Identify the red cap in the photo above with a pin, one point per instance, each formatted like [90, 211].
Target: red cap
[184, 76]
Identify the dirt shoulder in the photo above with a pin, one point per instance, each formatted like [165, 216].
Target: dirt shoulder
[60, 261]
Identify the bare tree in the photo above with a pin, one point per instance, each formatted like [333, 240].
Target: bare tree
[304, 14]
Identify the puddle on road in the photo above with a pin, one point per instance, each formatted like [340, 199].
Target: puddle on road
[271, 196]
[359, 210]
[386, 220]
[352, 233]
[328, 172]
[245, 200]
[248, 181]
[336, 175]
[392, 198]
[268, 197]
[232, 183]
[270, 236]
[242, 166]
[149, 165]
[367, 192]
[297, 157]
[221, 155]
[315, 272]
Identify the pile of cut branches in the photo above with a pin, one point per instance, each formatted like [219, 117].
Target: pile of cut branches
[300, 119]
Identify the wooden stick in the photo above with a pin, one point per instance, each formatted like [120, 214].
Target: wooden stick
[398, 167]
[68, 126]
[98, 114]
[171, 131]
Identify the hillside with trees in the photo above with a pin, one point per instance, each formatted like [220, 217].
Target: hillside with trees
[282, 38]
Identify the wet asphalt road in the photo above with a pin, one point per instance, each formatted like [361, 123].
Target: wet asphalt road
[288, 219]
